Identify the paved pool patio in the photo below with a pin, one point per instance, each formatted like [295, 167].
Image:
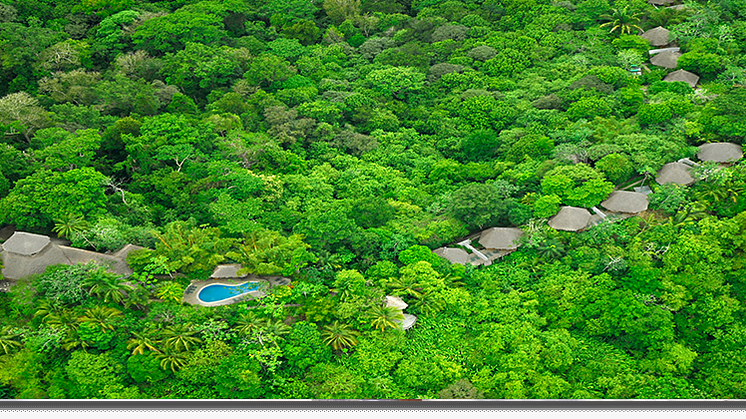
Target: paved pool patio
[192, 291]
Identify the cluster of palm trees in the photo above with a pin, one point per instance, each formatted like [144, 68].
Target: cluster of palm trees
[625, 21]
[69, 321]
[171, 344]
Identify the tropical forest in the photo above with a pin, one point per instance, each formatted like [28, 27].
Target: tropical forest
[372, 199]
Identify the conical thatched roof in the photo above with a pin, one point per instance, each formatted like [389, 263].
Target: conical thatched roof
[675, 173]
[452, 254]
[657, 36]
[720, 152]
[500, 238]
[570, 219]
[408, 322]
[683, 75]
[25, 254]
[26, 244]
[396, 302]
[625, 201]
[666, 59]
[17, 266]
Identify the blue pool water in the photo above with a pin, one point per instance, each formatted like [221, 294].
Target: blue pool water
[218, 292]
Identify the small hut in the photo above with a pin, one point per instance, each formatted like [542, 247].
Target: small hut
[682, 75]
[26, 254]
[396, 302]
[454, 255]
[227, 271]
[570, 219]
[26, 244]
[657, 36]
[408, 322]
[675, 172]
[666, 59]
[625, 201]
[720, 152]
[500, 238]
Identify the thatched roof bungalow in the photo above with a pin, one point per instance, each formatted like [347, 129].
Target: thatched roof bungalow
[625, 201]
[26, 254]
[408, 322]
[675, 173]
[396, 302]
[666, 59]
[453, 254]
[500, 238]
[720, 152]
[682, 75]
[657, 36]
[570, 219]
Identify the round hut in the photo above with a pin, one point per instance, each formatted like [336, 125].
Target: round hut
[627, 202]
[570, 219]
[675, 172]
[720, 152]
[500, 238]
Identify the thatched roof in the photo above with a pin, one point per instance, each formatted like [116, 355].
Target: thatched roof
[657, 36]
[25, 254]
[683, 75]
[500, 238]
[625, 201]
[227, 271]
[17, 266]
[452, 254]
[115, 264]
[675, 173]
[720, 152]
[570, 219]
[408, 322]
[26, 244]
[396, 302]
[666, 59]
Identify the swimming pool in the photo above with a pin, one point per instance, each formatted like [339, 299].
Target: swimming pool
[218, 292]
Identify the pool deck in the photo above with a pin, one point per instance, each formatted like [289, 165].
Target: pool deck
[191, 292]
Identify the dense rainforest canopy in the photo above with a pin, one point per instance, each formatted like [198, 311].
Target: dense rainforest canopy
[337, 143]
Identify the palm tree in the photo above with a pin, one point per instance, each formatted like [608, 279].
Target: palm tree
[406, 286]
[171, 359]
[622, 20]
[8, 343]
[108, 286]
[385, 317]
[339, 335]
[64, 319]
[247, 322]
[142, 341]
[551, 248]
[100, 316]
[46, 309]
[277, 328]
[180, 337]
[69, 225]
[429, 304]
